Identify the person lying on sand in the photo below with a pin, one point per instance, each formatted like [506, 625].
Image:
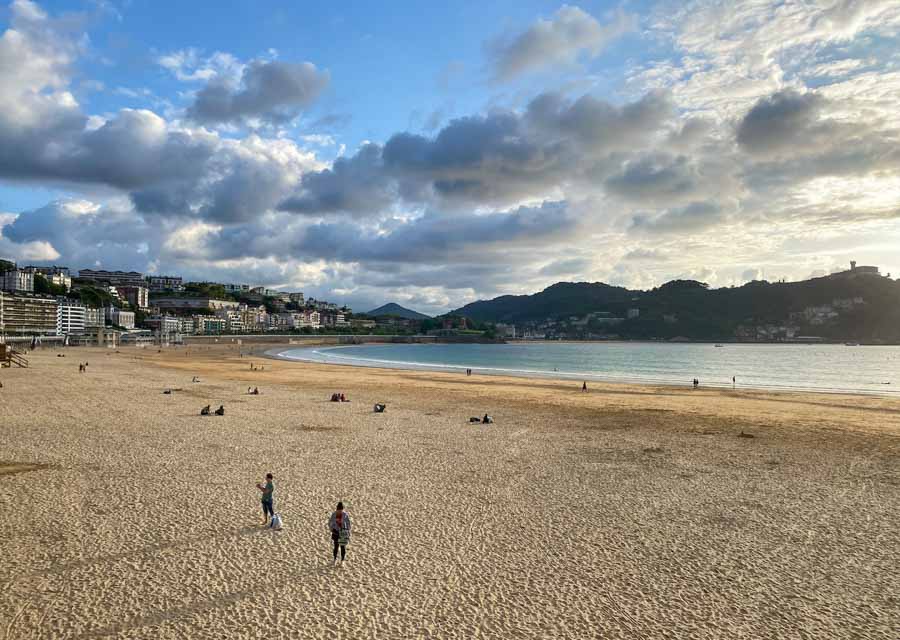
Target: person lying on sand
[204, 411]
[268, 497]
[221, 410]
[339, 524]
[475, 419]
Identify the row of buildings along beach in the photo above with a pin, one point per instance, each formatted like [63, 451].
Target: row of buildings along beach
[106, 307]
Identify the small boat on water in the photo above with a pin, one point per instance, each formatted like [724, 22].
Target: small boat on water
[851, 344]
[720, 345]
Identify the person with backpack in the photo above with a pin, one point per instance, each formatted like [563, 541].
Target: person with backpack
[268, 498]
[339, 524]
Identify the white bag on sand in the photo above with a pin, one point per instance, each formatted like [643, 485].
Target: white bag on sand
[276, 522]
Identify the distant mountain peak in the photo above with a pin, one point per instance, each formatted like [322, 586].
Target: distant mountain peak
[394, 309]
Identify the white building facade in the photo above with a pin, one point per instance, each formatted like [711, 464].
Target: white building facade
[70, 319]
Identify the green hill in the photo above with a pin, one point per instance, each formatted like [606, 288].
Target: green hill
[846, 306]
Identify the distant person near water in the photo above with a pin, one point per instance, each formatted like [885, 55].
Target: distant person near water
[733, 381]
[268, 498]
[696, 382]
[339, 525]
[584, 386]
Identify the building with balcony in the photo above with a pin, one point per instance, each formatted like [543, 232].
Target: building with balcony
[28, 314]
[209, 325]
[163, 324]
[94, 318]
[183, 304]
[121, 318]
[70, 318]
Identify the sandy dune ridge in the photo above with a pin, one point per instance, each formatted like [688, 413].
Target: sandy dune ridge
[625, 512]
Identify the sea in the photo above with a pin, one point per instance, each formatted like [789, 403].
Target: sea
[871, 370]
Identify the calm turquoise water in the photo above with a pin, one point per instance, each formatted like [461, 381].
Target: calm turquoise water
[863, 369]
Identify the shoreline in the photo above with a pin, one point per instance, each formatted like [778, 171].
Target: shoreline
[277, 353]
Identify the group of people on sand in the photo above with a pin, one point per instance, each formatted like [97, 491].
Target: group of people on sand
[254, 391]
[255, 368]
[338, 524]
[339, 397]
[205, 411]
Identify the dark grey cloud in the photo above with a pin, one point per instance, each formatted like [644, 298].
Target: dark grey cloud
[433, 237]
[356, 185]
[779, 122]
[791, 138]
[274, 92]
[496, 159]
[570, 34]
[692, 218]
[655, 177]
[566, 267]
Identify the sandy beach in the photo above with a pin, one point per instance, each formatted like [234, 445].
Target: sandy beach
[625, 512]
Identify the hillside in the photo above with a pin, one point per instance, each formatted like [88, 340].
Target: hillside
[395, 310]
[842, 307]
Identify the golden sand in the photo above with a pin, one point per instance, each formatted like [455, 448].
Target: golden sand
[626, 512]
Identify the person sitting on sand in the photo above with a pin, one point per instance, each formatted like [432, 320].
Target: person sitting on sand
[344, 398]
[339, 524]
[379, 407]
[204, 411]
[487, 419]
[249, 390]
[221, 410]
[335, 397]
[194, 379]
[268, 497]
[255, 391]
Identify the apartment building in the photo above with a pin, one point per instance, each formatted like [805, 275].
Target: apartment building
[138, 297]
[17, 280]
[70, 318]
[94, 318]
[121, 318]
[209, 325]
[28, 314]
[165, 283]
[114, 278]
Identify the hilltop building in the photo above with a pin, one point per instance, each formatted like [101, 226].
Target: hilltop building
[114, 278]
[165, 283]
[55, 275]
[17, 280]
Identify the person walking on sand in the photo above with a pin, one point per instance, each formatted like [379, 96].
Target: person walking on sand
[584, 386]
[339, 524]
[268, 498]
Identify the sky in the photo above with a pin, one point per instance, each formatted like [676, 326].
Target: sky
[433, 154]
